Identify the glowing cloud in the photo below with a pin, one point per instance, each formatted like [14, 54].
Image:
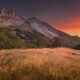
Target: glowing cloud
[70, 25]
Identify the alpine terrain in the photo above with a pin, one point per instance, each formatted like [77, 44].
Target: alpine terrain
[17, 32]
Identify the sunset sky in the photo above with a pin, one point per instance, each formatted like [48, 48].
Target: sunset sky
[61, 14]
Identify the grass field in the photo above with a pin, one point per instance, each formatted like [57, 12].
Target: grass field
[40, 64]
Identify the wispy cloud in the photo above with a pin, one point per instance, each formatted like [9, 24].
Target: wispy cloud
[70, 25]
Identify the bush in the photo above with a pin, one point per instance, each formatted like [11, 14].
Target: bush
[8, 40]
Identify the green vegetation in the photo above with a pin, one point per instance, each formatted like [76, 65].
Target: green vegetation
[33, 39]
[21, 37]
[8, 40]
[25, 36]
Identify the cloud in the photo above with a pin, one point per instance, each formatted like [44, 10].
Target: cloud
[70, 25]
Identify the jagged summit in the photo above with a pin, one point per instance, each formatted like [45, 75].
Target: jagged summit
[8, 16]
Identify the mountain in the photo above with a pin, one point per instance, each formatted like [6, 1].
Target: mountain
[65, 39]
[9, 17]
[25, 34]
[43, 27]
[32, 33]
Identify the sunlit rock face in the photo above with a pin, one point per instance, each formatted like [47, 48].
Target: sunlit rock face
[43, 27]
[8, 17]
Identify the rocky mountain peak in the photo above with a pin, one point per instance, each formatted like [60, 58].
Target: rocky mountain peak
[8, 15]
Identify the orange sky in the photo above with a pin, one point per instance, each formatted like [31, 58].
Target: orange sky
[70, 25]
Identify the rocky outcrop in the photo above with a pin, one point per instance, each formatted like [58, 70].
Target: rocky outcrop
[9, 16]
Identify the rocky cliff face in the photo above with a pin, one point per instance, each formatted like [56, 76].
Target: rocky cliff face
[9, 16]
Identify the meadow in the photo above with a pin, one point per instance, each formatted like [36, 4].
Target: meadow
[40, 64]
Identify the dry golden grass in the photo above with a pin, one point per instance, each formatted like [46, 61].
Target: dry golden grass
[40, 64]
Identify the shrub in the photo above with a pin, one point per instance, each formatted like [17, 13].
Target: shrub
[8, 40]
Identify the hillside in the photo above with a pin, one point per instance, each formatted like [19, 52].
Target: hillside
[8, 40]
[32, 38]
[15, 37]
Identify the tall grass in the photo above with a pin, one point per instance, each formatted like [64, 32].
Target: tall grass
[38, 66]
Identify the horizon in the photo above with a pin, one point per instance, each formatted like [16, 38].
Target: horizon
[63, 15]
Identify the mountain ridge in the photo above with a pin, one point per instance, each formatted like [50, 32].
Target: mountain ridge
[36, 33]
[9, 17]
